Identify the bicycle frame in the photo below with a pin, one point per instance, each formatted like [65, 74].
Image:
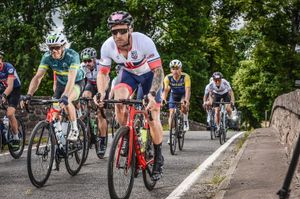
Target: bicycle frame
[133, 138]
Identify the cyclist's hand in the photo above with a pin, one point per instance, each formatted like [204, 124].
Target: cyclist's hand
[98, 99]
[187, 104]
[164, 102]
[25, 100]
[63, 101]
[3, 98]
[232, 103]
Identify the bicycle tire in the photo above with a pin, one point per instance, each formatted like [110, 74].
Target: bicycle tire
[212, 128]
[88, 142]
[181, 133]
[173, 134]
[76, 150]
[35, 145]
[22, 135]
[147, 173]
[106, 142]
[112, 170]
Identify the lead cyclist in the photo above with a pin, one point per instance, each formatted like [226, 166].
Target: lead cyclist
[141, 63]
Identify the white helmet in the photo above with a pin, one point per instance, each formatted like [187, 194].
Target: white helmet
[175, 63]
[56, 39]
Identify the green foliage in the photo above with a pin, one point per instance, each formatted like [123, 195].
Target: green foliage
[258, 58]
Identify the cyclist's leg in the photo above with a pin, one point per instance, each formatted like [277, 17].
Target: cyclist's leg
[123, 90]
[156, 129]
[217, 98]
[13, 100]
[74, 95]
[184, 110]
[102, 128]
[228, 106]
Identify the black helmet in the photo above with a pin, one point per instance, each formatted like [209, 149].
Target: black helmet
[88, 53]
[217, 75]
[119, 17]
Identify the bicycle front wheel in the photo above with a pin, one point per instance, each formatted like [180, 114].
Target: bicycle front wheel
[40, 154]
[75, 151]
[121, 166]
[173, 134]
[22, 136]
[148, 154]
[88, 138]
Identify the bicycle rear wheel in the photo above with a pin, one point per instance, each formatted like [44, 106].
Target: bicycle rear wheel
[120, 175]
[173, 134]
[148, 154]
[22, 135]
[75, 151]
[40, 154]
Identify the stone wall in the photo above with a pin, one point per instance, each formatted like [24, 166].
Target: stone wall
[285, 118]
[39, 113]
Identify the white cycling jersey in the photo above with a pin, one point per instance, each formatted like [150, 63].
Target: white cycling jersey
[91, 75]
[222, 89]
[142, 57]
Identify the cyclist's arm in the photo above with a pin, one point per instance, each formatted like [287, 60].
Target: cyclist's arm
[10, 85]
[71, 82]
[187, 85]
[157, 79]
[231, 96]
[166, 88]
[54, 81]
[36, 80]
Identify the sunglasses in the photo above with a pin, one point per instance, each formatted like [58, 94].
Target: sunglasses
[175, 68]
[87, 61]
[56, 48]
[217, 80]
[121, 31]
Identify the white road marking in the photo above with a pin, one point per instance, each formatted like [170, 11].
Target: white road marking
[192, 178]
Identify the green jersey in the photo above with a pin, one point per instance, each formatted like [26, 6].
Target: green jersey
[69, 61]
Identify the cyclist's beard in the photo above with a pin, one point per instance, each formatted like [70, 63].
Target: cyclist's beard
[128, 42]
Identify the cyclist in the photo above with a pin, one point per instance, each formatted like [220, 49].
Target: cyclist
[141, 64]
[220, 89]
[66, 64]
[180, 85]
[205, 104]
[91, 68]
[10, 89]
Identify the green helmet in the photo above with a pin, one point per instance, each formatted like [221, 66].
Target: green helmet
[88, 53]
[56, 39]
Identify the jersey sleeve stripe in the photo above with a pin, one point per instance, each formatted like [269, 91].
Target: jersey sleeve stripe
[155, 63]
[104, 70]
[74, 66]
[43, 67]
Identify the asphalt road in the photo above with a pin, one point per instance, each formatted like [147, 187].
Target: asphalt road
[91, 182]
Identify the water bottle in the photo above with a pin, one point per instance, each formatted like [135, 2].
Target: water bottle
[6, 126]
[58, 132]
[143, 139]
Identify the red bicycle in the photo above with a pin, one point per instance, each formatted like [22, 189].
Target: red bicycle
[131, 151]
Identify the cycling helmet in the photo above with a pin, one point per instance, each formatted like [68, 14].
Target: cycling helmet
[175, 63]
[88, 53]
[217, 75]
[119, 17]
[56, 39]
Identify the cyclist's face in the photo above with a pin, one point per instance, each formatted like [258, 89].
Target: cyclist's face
[56, 51]
[176, 71]
[120, 34]
[217, 82]
[90, 63]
